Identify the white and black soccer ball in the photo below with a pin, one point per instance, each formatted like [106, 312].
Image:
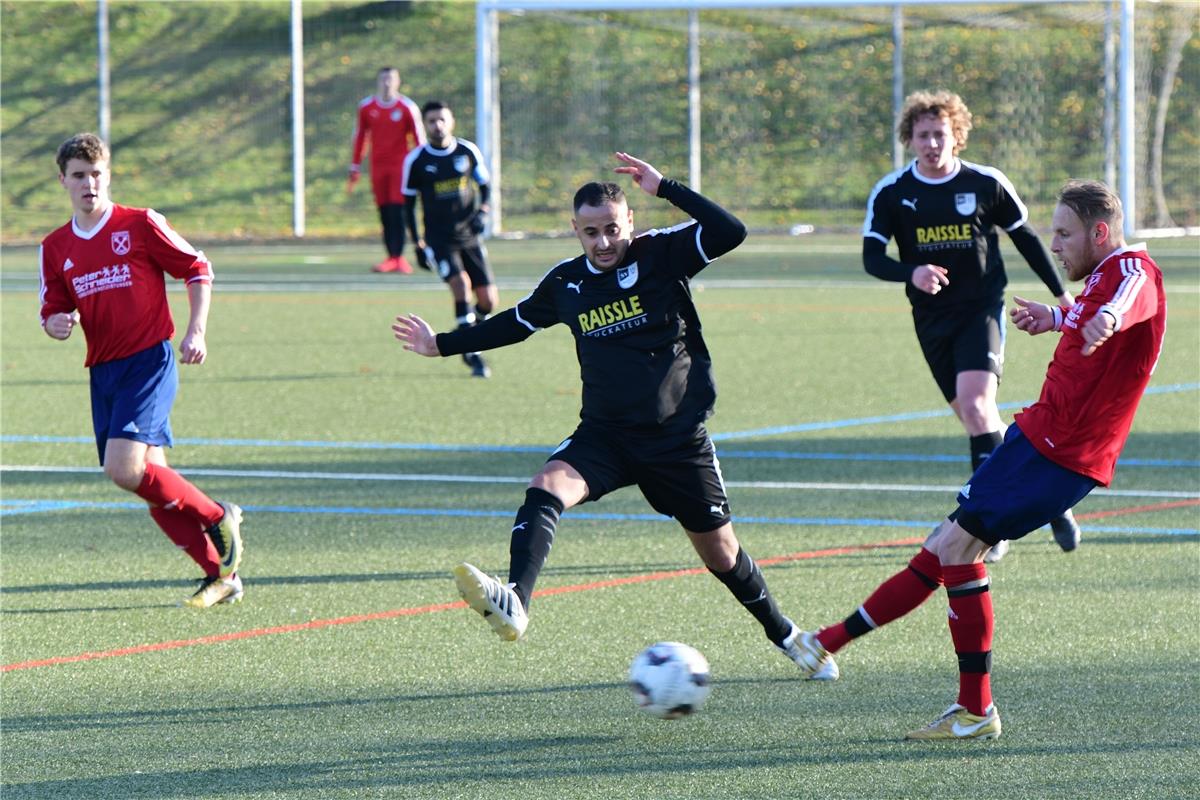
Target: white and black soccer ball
[669, 680]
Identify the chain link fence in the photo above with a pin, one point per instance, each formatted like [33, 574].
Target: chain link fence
[795, 120]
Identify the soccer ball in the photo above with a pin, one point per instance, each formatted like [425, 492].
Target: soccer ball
[669, 680]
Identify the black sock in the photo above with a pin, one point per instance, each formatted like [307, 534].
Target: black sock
[532, 536]
[462, 313]
[481, 313]
[746, 583]
[392, 217]
[982, 447]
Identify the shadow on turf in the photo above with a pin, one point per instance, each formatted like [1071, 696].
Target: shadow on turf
[86, 610]
[597, 570]
[467, 765]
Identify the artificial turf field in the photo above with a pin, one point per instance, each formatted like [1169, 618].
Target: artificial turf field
[351, 671]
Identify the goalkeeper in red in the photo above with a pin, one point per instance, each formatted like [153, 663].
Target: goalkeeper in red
[391, 122]
[1055, 453]
[106, 270]
[647, 389]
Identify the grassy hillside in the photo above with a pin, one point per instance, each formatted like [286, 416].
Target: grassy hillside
[796, 103]
[201, 97]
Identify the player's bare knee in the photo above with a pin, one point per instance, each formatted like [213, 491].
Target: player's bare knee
[957, 546]
[124, 474]
[977, 413]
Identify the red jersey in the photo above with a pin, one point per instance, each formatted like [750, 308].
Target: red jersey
[114, 275]
[1082, 419]
[394, 128]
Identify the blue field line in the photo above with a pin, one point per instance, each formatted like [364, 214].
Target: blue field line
[717, 437]
[726, 454]
[905, 417]
[13, 507]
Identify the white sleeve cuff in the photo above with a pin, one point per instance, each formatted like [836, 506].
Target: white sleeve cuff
[1112, 312]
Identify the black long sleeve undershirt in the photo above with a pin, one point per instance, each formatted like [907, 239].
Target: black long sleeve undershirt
[878, 263]
[1026, 240]
[720, 230]
[410, 217]
[496, 331]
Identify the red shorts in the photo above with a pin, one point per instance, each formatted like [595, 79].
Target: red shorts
[385, 182]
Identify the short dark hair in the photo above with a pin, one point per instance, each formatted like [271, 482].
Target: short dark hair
[85, 146]
[597, 194]
[433, 105]
[1092, 202]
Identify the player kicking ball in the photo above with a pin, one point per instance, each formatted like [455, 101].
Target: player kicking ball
[106, 270]
[647, 390]
[1055, 453]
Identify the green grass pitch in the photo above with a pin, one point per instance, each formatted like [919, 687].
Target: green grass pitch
[350, 671]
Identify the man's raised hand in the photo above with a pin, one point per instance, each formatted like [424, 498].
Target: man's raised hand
[1031, 317]
[644, 175]
[416, 334]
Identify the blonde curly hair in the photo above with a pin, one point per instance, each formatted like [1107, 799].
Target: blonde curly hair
[943, 104]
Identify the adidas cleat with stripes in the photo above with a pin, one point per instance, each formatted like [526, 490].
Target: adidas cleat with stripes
[215, 590]
[497, 602]
[804, 649]
[958, 723]
[226, 536]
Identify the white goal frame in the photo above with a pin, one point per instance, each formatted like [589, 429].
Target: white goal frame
[1119, 68]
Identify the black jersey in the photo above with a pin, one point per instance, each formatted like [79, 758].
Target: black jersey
[446, 181]
[642, 358]
[951, 222]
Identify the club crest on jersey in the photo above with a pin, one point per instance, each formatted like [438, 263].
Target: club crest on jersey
[965, 203]
[627, 276]
[121, 242]
[461, 164]
[395, 115]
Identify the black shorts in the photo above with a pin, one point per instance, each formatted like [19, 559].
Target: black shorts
[451, 258]
[961, 341]
[678, 473]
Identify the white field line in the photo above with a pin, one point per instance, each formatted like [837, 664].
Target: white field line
[416, 477]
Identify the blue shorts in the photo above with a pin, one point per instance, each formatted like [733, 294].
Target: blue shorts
[1017, 490]
[132, 397]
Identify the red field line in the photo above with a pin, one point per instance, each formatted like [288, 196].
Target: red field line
[254, 633]
[579, 587]
[1116, 512]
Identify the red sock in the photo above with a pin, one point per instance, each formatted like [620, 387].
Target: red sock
[971, 622]
[187, 534]
[163, 487]
[895, 597]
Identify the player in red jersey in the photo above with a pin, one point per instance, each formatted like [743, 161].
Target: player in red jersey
[105, 270]
[1055, 452]
[392, 122]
